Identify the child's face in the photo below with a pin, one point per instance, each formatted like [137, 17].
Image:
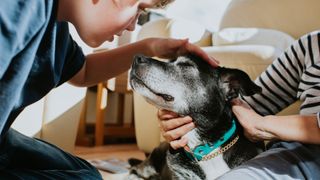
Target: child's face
[111, 17]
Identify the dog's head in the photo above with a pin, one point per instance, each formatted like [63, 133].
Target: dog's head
[188, 85]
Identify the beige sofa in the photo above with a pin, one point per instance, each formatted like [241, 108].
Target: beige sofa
[252, 33]
[54, 118]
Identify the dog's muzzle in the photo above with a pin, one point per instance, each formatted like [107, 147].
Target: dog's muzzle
[140, 60]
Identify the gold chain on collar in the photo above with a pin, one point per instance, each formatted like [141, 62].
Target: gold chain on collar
[220, 151]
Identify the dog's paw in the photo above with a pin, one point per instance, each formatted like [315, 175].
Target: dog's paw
[132, 177]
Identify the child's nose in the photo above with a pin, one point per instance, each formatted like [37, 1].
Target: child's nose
[133, 23]
[132, 26]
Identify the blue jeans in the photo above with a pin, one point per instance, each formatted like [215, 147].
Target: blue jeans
[22, 157]
[284, 160]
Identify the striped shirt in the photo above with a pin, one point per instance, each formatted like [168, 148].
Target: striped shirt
[294, 75]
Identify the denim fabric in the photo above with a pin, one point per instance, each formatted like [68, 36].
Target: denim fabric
[284, 160]
[22, 157]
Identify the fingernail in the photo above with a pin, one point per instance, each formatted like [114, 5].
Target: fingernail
[235, 101]
[184, 140]
[174, 114]
[213, 59]
[188, 118]
[191, 125]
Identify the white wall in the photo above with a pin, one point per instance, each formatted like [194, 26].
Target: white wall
[206, 12]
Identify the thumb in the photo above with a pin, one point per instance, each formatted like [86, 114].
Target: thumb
[240, 112]
[236, 111]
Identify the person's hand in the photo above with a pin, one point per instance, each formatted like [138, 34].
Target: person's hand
[251, 122]
[174, 127]
[171, 48]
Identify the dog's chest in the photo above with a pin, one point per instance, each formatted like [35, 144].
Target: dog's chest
[215, 167]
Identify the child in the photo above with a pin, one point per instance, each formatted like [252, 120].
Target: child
[38, 54]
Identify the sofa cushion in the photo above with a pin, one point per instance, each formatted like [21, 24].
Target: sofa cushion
[252, 36]
[177, 29]
[294, 17]
[182, 29]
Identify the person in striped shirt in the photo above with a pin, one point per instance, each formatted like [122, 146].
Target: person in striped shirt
[294, 148]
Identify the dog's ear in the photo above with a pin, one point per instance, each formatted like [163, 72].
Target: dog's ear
[134, 161]
[235, 82]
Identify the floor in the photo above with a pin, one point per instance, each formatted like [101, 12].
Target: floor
[120, 151]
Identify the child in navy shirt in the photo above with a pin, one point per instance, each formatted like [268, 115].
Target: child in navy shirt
[38, 54]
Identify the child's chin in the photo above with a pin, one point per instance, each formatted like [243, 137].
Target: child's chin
[110, 39]
[93, 44]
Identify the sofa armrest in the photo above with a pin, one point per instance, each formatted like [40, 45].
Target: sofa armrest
[61, 116]
[177, 29]
[29, 122]
[54, 118]
[252, 36]
[146, 124]
[253, 59]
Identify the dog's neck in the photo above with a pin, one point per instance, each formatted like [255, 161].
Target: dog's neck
[194, 139]
[213, 130]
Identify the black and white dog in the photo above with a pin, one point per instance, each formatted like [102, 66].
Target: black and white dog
[189, 86]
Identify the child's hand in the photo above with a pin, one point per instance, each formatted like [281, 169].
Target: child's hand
[171, 48]
[174, 127]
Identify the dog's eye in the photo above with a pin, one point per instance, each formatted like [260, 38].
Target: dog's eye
[184, 64]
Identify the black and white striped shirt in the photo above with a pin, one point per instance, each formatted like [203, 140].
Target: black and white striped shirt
[295, 75]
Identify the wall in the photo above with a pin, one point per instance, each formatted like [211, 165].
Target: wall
[205, 12]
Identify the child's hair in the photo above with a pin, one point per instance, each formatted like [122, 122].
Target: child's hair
[163, 3]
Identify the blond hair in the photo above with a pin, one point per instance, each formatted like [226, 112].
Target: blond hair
[163, 3]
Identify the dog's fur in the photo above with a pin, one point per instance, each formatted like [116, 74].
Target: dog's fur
[189, 86]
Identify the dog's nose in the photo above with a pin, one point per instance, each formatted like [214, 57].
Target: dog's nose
[139, 59]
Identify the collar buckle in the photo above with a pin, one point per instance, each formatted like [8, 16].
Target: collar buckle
[190, 153]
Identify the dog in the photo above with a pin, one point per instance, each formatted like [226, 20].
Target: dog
[189, 86]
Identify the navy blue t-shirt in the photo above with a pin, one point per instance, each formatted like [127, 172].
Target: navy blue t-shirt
[37, 54]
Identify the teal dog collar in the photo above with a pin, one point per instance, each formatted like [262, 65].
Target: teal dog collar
[202, 150]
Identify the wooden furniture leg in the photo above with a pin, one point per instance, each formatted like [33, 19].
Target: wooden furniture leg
[82, 138]
[102, 95]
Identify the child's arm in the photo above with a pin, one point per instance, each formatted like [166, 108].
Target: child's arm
[104, 65]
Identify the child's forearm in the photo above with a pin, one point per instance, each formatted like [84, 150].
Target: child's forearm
[293, 128]
[104, 65]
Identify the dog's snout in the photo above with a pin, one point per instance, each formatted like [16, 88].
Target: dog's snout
[139, 59]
